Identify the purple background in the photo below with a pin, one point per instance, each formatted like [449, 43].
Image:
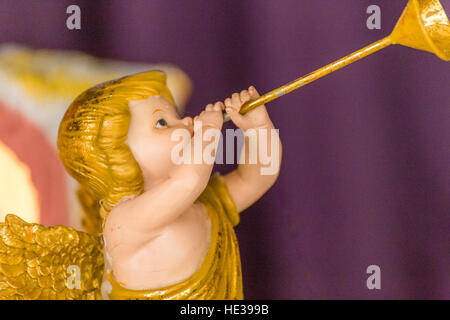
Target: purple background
[365, 176]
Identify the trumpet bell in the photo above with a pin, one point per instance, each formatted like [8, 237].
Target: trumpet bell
[424, 25]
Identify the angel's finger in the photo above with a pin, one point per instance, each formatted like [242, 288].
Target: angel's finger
[236, 101]
[218, 106]
[253, 92]
[245, 96]
[228, 102]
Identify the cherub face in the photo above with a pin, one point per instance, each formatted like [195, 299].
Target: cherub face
[153, 121]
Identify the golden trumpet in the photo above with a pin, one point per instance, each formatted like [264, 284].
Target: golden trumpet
[423, 25]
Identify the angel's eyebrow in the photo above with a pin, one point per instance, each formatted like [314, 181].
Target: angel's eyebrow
[156, 110]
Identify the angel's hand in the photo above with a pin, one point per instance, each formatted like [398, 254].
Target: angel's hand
[256, 118]
[212, 116]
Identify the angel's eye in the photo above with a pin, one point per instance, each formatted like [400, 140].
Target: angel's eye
[161, 123]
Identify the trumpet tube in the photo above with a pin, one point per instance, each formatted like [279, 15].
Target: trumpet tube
[319, 73]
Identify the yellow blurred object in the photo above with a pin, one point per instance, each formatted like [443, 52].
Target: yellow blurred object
[17, 191]
[423, 25]
[49, 74]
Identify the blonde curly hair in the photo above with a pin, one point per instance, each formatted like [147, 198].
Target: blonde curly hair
[92, 142]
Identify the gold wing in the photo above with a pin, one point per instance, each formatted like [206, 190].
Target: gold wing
[38, 262]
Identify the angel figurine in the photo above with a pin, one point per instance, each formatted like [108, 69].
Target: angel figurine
[156, 229]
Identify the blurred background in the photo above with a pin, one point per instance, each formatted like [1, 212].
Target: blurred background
[365, 176]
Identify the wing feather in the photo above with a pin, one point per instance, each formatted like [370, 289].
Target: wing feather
[34, 262]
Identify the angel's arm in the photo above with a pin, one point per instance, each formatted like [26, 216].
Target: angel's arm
[252, 179]
[247, 184]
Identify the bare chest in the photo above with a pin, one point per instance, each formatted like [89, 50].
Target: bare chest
[168, 256]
